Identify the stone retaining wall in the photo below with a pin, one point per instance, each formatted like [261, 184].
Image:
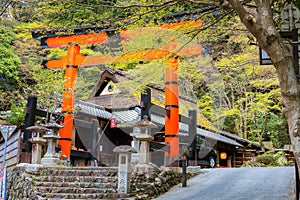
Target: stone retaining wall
[25, 182]
[151, 185]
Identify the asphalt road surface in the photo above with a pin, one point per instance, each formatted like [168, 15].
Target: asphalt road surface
[237, 184]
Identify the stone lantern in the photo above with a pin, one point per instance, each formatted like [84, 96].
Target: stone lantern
[145, 137]
[51, 158]
[37, 142]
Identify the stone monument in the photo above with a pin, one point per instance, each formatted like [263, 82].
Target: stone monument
[124, 169]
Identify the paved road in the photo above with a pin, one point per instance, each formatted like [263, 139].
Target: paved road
[237, 184]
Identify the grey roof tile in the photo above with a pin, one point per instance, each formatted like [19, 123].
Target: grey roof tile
[130, 116]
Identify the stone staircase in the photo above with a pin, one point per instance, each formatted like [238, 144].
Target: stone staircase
[71, 183]
[36, 182]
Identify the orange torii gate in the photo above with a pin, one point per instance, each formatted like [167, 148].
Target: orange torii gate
[75, 59]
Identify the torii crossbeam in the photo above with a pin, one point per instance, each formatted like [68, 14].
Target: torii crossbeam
[75, 59]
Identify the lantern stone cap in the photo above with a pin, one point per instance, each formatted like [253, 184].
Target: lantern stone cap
[53, 125]
[124, 149]
[146, 123]
[37, 128]
[144, 137]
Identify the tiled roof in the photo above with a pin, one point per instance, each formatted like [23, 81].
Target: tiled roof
[130, 116]
[99, 111]
[237, 138]
[134, 115]
[204, 133]
[217, 137]
[92, 109]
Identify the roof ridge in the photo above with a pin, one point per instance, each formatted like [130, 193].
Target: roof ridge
[151, 85]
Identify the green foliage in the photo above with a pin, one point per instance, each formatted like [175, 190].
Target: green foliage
[22, 30]
[86, 80]
[251, 96]
[9, 67]
[274, 128]
[281, 158]
[9, 62]
[49, 88]
[278, 127]
[279, 5]
[205, 106]
[144, 74]
[76, 13]
[16, 115]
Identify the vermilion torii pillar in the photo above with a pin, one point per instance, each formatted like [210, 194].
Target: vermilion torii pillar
[68, 98]
[74, 59]
[172, 109]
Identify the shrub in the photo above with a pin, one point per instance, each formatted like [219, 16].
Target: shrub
[266, 159]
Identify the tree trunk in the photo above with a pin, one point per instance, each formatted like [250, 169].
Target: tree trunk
[291, 102]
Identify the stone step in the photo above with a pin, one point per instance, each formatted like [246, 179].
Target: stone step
[107, 184]
[94, 179]
[78, 168]
[101, 171]
[73, 190]
[65, 196]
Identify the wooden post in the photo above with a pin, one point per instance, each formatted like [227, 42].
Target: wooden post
[184, 178]
[30, 113]
[146, 103]
[193, 133]
[297, 181]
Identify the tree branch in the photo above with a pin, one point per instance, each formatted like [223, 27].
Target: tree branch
[204, 3]
[5, 5]
[108, 4]
[197, 31]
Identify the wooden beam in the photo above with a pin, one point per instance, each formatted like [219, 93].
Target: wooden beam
[59, 41]
[86, 61]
